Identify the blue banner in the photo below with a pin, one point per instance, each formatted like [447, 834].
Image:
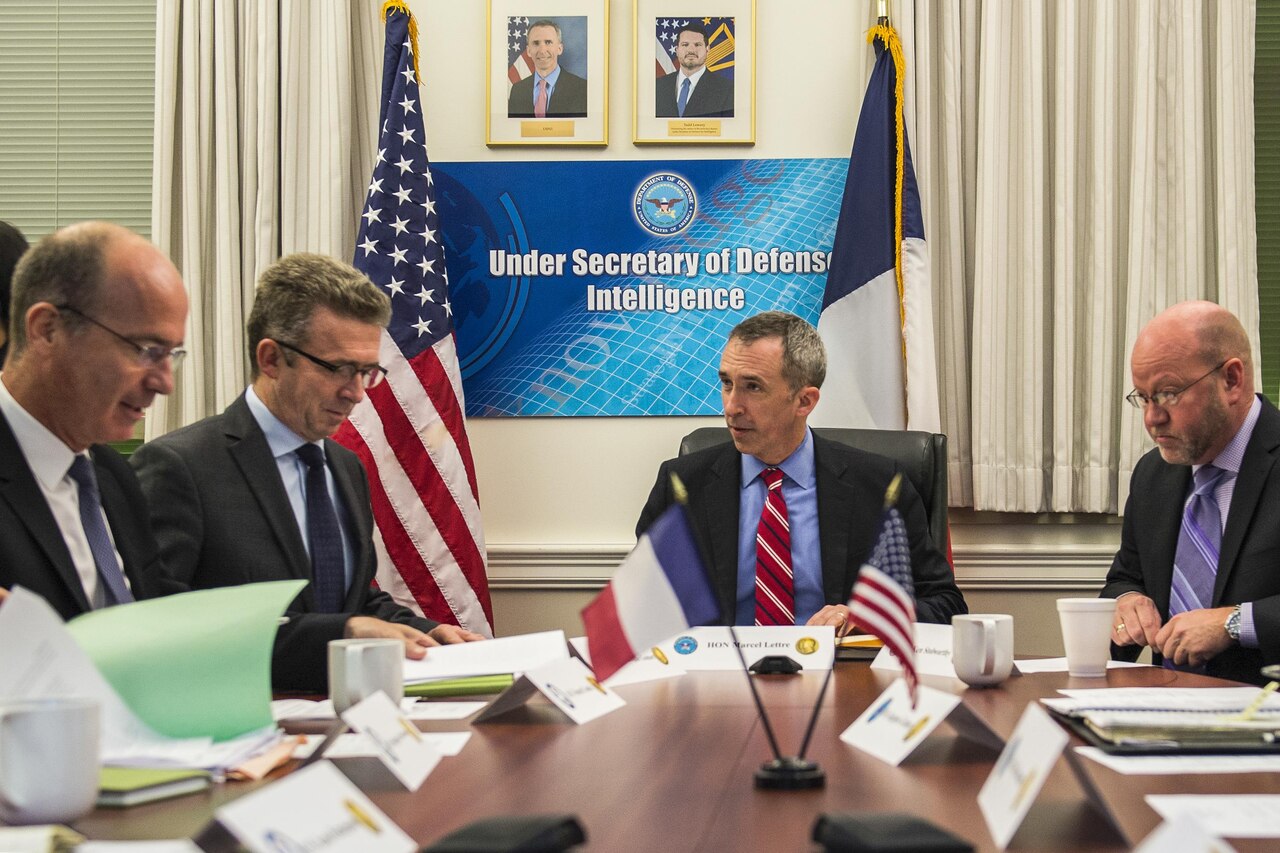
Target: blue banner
[607, 288]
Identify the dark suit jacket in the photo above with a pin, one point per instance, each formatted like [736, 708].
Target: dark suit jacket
[1249, 559]
[221, 515]
[568, 98]
[851, 485]
[32, 551]
[711, 98]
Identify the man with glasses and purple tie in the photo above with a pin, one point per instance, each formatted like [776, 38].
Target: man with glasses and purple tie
[95, 332]
[261, 493]
[1197, 576]
[551, 91]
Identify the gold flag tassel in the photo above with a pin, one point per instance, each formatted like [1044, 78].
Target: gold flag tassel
[401, 6]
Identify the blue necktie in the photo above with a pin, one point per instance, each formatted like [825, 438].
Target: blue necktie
[1195, 564]
[95, 530]
[327, 563]
[684, 96]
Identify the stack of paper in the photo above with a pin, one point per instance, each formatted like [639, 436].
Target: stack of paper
[1184, 717]
[492, 657]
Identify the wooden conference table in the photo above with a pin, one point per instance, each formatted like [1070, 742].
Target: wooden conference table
[673, 771]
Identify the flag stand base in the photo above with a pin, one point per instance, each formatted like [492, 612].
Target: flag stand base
[790, 774]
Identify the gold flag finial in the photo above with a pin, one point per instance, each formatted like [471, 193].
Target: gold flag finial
[678, 489]
[891, 493]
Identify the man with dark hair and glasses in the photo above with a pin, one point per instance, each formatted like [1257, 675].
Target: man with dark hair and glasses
[1197, 576]
[95, 334]
[261, 493]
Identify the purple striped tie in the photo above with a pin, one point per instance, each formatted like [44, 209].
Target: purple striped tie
[1195, 565]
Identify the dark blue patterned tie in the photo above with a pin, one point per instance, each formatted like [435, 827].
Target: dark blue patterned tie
[95, 530]
[327, 569]
[684, 96]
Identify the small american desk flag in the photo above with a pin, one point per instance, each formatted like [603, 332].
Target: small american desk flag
[409, 431]
[883, 599]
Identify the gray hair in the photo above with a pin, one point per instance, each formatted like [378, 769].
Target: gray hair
[543, 22]
[291, 289]
[804, 358]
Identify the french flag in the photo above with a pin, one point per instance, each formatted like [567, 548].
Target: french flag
[660, 589]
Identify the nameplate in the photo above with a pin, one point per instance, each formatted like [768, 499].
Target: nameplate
[701, 127]
[646, 666]
[396, 741]
[540, 128]
[890, 729]
[703, 649]
[568, 684]
[1020, 773]
[933, 652]
[314, 809]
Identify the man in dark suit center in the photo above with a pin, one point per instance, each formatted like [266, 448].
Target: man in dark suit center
[96, 328]
[693, 90]
[551, 91]
[784, 517]
[261, 493]
[1197, 576]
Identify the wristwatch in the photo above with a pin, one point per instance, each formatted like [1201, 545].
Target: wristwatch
[1232, 625]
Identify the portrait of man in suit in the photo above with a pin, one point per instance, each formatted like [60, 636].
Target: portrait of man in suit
[551, 91]
[693, 90]
[784, 517]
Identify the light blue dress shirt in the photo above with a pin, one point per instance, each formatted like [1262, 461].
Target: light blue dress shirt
[800, 491]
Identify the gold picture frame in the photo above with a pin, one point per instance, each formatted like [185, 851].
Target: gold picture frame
[577, 112]
[719, 102]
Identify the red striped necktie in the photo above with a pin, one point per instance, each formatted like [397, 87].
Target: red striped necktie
[775, 585]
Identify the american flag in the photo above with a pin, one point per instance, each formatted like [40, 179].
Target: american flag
[721, 44]
[883, 600]
[519, 63]
[409, 431]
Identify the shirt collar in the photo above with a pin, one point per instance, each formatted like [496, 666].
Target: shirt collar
[1233, 454]
[280, 438]
[798, 467]
[47, 456]
[694, 78]
[552, 77]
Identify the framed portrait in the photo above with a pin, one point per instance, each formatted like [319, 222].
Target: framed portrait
[548, 64]
[695, 71]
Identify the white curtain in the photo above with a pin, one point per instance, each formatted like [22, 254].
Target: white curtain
[263, 141]
[1083, 165]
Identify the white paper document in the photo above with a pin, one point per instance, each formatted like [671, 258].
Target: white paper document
[1227, 700]
[442, 710]
[315, 809]
[712, 649]
[1228, 815]
[1182, 835]
[1020, 773]
[1026, 665]
[1181, 765]
[890, 729]
[492, 657]
[307, 709]
[181, 845]
[933, 652]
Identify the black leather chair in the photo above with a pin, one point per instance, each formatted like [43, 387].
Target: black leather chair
[922, 456]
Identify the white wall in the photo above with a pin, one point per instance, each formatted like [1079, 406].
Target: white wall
[560, 496]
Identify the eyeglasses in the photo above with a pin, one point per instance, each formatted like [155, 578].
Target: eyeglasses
[370, 377]
[1165, 399]
[148, 355]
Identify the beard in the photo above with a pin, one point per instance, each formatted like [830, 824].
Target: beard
[1199, 436]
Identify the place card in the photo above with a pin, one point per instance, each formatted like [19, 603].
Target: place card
[315, 809]
[890, 729]
[712, 649]
[1182, 835]
[396, 741]
[568, 684]
[1020, 773]
[933, 652]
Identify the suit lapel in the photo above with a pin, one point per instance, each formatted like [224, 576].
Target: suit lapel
[1168, 489]
[19, 489]
[1255, 469]
[719, 506]
[248, 447]
[835, 509]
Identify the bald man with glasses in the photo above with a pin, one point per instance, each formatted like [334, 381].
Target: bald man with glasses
[1197, 576]
[260, 492]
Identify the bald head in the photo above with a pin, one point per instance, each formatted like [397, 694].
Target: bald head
[1202, 351]
[92, 304]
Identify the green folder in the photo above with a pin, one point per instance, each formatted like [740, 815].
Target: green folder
[474, 686]
[119, 787]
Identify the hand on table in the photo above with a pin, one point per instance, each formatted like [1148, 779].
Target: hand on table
[833, 614]
[447, 634]
[1195, 637]
[1136, 621]
[415, 642]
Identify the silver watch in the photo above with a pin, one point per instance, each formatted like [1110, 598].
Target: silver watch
[1232, 625]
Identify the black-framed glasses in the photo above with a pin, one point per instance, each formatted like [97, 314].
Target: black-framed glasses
[148, 355]
[369, 376]
[1166, 399]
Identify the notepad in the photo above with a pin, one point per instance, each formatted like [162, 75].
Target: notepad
[119, 787]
